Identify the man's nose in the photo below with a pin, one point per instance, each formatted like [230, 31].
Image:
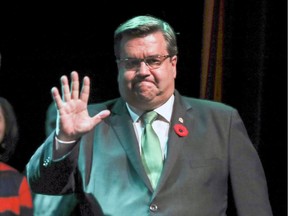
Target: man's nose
[143, 68]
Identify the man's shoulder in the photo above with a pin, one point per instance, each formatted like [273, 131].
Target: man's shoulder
[105, 103]
[206, 104]
[97, 107]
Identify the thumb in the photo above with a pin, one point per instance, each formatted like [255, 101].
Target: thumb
[101, 115]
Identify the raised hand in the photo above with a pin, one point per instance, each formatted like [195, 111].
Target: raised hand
[73, 119]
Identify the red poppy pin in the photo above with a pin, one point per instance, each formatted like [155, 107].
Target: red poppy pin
[181, 130]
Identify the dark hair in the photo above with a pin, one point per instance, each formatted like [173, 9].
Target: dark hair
[11, 136]
[140, 26]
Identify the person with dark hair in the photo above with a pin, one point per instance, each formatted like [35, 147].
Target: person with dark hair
[15, 193]
[152, 151]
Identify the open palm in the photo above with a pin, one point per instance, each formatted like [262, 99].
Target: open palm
[73, 119]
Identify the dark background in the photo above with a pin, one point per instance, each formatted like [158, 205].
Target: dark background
[40, 43]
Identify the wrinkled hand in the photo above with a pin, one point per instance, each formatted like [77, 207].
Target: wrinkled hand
[73, 119]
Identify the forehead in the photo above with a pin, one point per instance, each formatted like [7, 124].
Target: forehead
[147, 44]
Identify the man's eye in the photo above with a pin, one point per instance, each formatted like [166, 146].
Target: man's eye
[153, 61]
[132, 63]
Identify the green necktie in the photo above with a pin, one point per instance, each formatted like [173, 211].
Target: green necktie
[151, 149]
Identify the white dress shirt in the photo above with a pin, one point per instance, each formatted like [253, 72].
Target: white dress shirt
[160, 125]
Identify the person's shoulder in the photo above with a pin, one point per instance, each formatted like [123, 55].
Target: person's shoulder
[97, 107]
[6, 167]
[206, 104]
[11, 170]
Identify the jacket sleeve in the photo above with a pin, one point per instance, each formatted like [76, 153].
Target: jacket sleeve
[247, 175]
[48, 176]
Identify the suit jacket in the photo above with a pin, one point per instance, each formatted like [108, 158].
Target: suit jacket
[105, 167]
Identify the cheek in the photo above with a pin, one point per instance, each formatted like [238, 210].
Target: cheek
[124, 78]
[165, 77]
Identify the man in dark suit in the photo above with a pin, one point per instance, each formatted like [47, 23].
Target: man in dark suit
[97, 151]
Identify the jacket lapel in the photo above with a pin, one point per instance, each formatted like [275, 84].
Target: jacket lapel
[122, 124]
[175, 142]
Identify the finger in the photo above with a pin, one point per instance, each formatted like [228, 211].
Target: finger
[85, 91]
[65, 88]
[100, 116]
[103, 114]
[74, 85]
[57, 98]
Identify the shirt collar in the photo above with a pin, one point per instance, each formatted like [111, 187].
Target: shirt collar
[165, 111]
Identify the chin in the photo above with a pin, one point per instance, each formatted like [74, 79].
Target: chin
[146, 96]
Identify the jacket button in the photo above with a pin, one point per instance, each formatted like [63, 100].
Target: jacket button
[46, 162]
[153, 207]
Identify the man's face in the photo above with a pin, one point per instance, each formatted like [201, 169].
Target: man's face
[142, 86]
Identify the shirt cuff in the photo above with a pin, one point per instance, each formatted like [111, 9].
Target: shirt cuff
[64, 142]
